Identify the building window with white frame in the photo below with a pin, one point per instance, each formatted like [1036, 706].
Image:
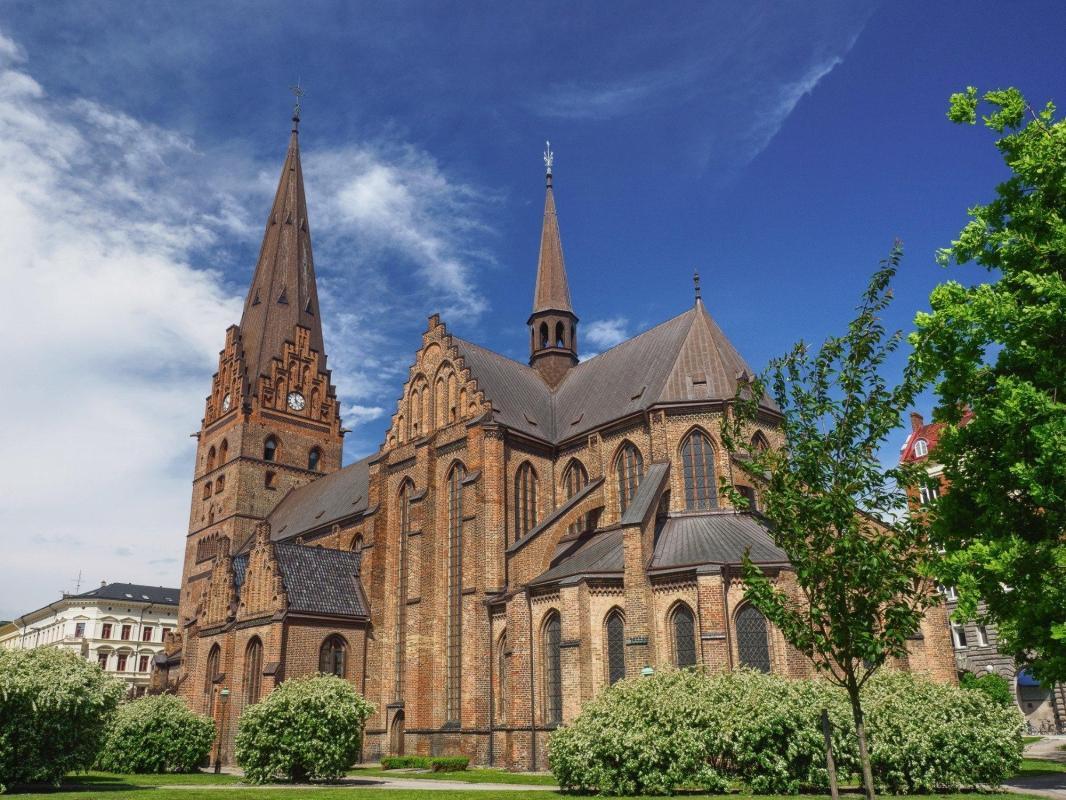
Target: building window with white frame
[927, 494]
[958, 635]
[921, 448]
[949, 593]
[982, 636]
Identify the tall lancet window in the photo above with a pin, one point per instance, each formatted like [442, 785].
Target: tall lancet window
[455, 592]
[404, 515]
[552, 637]
[629, 466]
[615, 631]
[525, 500]
[697, 461]
[753, 645]
[574, 480]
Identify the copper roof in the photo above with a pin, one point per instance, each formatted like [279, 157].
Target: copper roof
[322, 502]
[685, 359]
[283, 293]
[552, 292]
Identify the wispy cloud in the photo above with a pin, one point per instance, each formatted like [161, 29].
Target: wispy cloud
[116, 236]
[617, 98]
[605, 333]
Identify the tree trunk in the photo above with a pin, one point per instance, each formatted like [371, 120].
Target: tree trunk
[860, 734]
[830, 762]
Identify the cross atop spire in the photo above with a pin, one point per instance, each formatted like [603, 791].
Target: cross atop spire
[298, 91]
[549, 159]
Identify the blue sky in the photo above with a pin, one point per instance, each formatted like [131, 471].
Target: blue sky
[777, 147]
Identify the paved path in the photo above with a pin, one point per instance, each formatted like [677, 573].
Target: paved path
[1051, 785]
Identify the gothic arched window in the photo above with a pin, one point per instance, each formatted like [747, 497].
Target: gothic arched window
[207, 490]
[697, 461]
[544, 340]
[615, 630]
[253, 671]
[753, 645]
[332, 656]
[560, 335]
[684, 628]
[574, 480]
[629, 467]
[407, 491]
[501, 676]
[525, 500]
[270, 449]
[455, 591]
[551, 638]
[211, 458]
[313, 458]
[759, 443]
[223, 452]
[213, 659]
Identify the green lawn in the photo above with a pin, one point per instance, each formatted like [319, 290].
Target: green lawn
[466, 776]
[1031, 739]
[133, 791]
[1040, 766]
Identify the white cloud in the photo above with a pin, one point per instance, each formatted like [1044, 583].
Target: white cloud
[605, 333]
[611, 99]
[110, 226]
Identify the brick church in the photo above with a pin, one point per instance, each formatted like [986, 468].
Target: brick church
[527, 533]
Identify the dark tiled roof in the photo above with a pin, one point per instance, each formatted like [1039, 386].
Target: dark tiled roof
[322, 501]
[318, 580]
[684, 359]
[160, 595]
[322, 581]
[601, 555]
[714, 538]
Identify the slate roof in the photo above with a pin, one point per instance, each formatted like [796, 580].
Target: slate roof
[318, 580]
[714, 538]
[687, 358]
[160, 595]
[322, 502]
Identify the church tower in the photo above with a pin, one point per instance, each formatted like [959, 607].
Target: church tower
[272, 420]
[553, 324]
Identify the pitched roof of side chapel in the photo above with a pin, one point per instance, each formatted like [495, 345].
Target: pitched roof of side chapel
[317, 580]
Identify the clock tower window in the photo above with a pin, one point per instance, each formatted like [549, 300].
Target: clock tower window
[313, 459]
[270, 449]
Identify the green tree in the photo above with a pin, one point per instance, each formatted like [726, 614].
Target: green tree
[829, 503]
[999, 350]
[54, 710]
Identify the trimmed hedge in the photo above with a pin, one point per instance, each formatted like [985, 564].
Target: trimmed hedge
[54, 709]
[688, 730]
[310, 727]
[435, 763]
[154, 735]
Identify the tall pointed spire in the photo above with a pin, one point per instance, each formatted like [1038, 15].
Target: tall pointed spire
[553, 324]
[283, 293]
[552, 292]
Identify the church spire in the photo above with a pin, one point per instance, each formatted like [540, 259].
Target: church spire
[552, 291]
[283, 293]
[553, 324]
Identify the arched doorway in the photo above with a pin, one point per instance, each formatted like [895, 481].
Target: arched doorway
[396, 735]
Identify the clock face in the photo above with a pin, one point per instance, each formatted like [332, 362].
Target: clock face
[226, 403]
[296, 401]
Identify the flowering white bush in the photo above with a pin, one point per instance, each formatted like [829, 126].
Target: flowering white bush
[688, 730]
[641, 736]
[156, 734]
[309, 727]
[54, 708]
[926, 736]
